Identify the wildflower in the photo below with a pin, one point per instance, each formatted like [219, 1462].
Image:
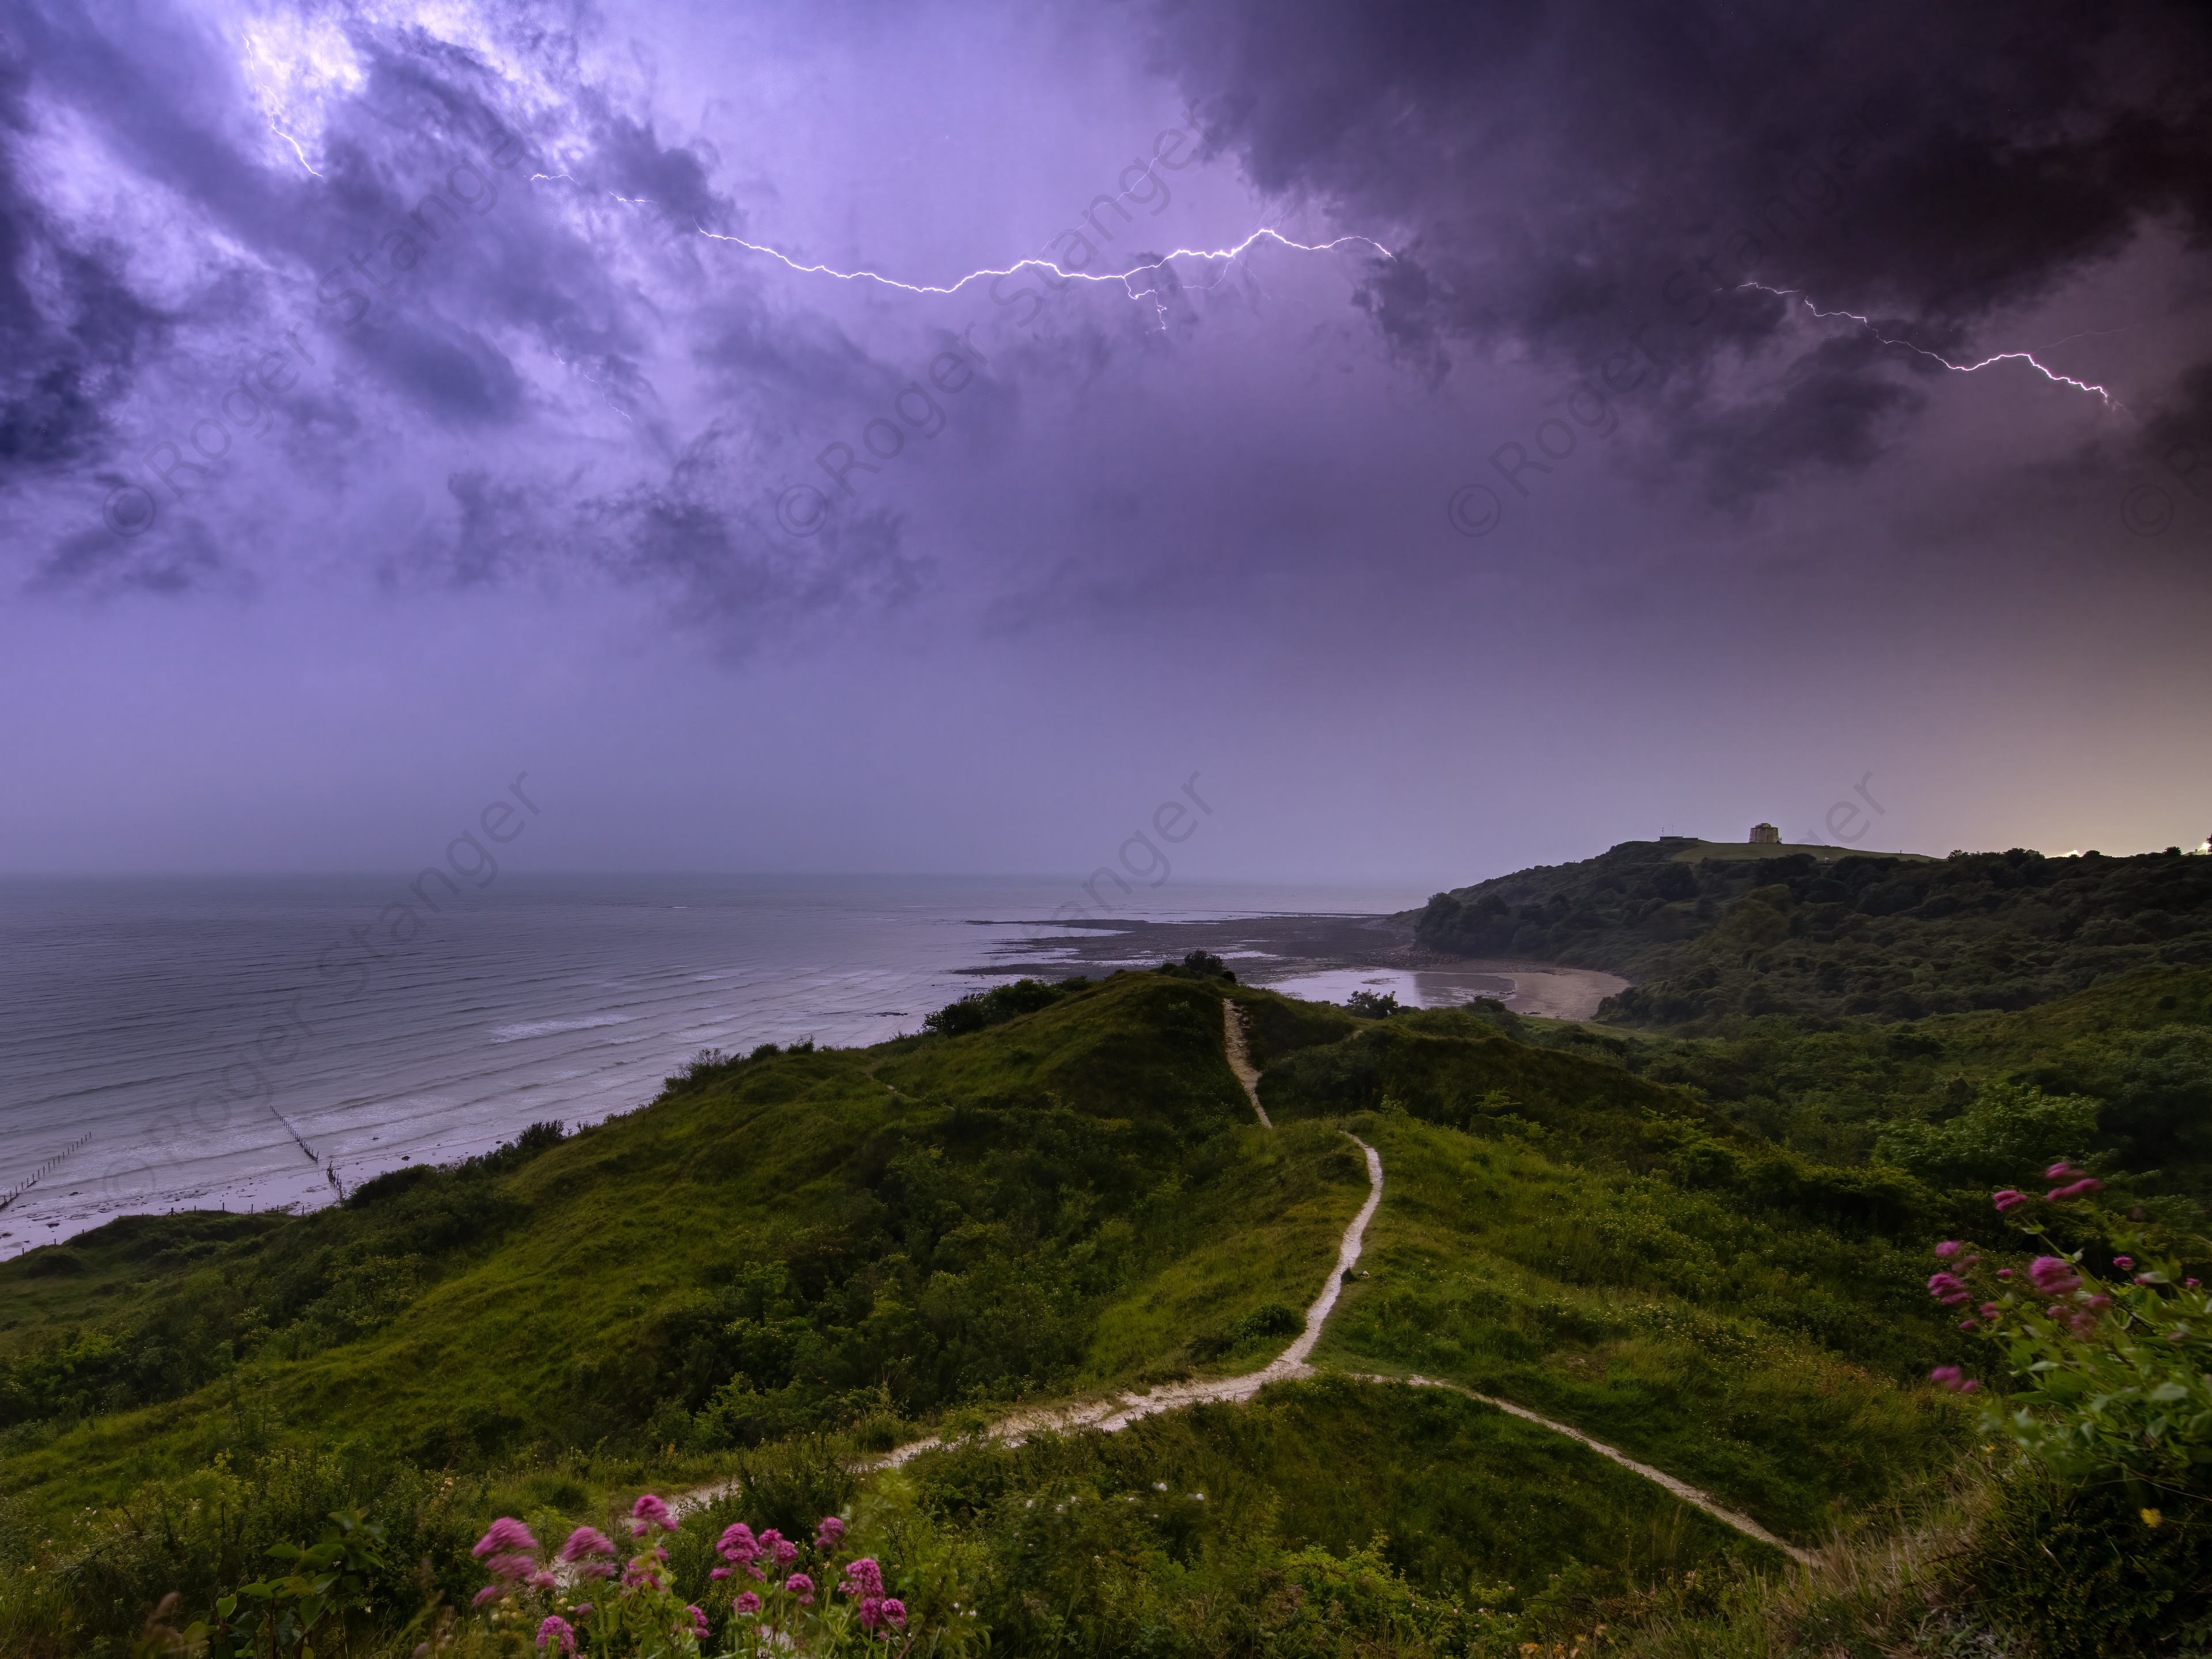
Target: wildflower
[1967, 1325]
[510, 1566]
[506, 1536]
[1940, 1284]
[2151, 1518]
[2053, 1275]
[1990, 1310]
[583, 1609]
[830, 1533]
[748, 1603]
[651, 1510]
[558, 1632]
[2087, 1184]
[699, 1625]
[786, 1552]
[1953, 1379]
[863, 1578]
[720, 1572]
[895, 1610]
[2058, 1171]
[2190, 1283]
[1949, 1248]
[489, 1593]
[737, 1543]
[871, 1612]
[2007, 1200]
[802, 1587]
[587, 1540]
[543, 1580]
[2004, 1272]
[2123, 1261]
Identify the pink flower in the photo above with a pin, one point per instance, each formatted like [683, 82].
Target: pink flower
[1943, 1283]
[1990, 1310]
[2007, 1200]
[1966, 1325]
[2123, 1261]
[2004, 1272]
[512, 1566]
[1953, 1379]
[543, 1580]
[737, 1543]
[2058, 1171]
[1949, 1248]
[830, 1533]
[649, 1507]
[699, 1626]
[802, 1587]
[720, 1572]
[871, 1612]
[506, 1536]
[863, 1578]
[558, 1632]
[489, 1593]
[583, 1609]
[748, 1603]
[786, 1552]
[2053, 1275]
[2088, 1184]
[596, 1570]
[2190, 1283]
[895, 1610]
[587, 1540]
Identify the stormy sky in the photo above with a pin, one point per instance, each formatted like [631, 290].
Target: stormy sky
[846, 436]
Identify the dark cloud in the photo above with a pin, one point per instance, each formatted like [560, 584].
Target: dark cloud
[466, 243]
[1580, 182]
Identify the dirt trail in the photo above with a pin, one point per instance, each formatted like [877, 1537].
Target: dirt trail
[1240, 1058]
[1118, 1411]
[1689, 1494]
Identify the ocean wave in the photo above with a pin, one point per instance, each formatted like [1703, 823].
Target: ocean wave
[538, 1028]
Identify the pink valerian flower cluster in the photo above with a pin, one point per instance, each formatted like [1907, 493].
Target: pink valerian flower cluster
[559, 1633]
[509, 1552]
[802, 1587]
[741, 1549]
[591, 1552]
[1953, 1379]
[864, 1582]
[648, 1512]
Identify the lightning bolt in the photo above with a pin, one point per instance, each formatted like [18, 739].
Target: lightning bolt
[295, 144]
[1124, 277]
[2028, 357]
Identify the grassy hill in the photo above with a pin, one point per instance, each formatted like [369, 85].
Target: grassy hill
[788, 1262]
[789, 1259]
[1713, 933]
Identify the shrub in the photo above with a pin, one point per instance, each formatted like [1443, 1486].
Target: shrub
[2112, 1378]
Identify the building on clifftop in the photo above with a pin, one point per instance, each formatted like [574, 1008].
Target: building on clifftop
[1762, 834]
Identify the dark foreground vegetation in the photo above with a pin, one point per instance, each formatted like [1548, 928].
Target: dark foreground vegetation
[1706, 1247]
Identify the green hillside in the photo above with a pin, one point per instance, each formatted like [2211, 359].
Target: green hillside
[788, 1264]
[1710, 934]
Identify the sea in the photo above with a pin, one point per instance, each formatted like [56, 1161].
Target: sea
[266, 1042]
